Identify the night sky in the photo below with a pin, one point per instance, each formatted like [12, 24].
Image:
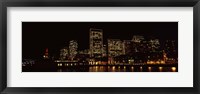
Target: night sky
[36, 36]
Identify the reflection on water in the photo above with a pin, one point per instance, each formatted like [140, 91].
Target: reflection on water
[149, 69]
[77, 67]
[116, 69]
[160, 69]
[173, 69]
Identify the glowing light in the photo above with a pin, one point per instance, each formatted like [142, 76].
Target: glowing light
[119, 67]
[174, 69]
[160, 68]
[150, 62]
[113, 67]
[132, 67]
[162, 62]
[149, 68]
[157, 62]
[141, 68]
[124, 67]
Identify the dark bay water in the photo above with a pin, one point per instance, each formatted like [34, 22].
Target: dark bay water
[117, 69]
[54, 67]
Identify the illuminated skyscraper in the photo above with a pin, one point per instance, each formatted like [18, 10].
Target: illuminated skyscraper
[137, 38]
[154, 45]
[137, 43]
[96, 42]
[73, 46]
[115, 47]
[63, 53]
[127, 47]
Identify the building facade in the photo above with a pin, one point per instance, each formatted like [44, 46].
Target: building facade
[64, 53]
[96, 43]
[73, 46]
[115, 47]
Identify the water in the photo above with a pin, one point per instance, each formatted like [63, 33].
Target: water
[117, 69]
[72, 67]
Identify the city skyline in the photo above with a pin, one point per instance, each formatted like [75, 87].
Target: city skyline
[56, 35]
[100, 46]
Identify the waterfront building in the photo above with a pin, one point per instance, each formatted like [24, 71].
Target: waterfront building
[63, 53]
[73, 46]
[115, 47]
[127, 47]
[154, 45]
[96, 43]
[137, 38]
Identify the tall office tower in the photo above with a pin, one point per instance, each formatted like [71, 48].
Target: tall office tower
[127, 47]
[154, 45]
[96, 42]
[73, 46]
[115, 47]
[137, 38]
[137, 43]
[63, 53]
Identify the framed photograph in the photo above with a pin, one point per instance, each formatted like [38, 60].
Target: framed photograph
[85, 46]
[100, 47]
